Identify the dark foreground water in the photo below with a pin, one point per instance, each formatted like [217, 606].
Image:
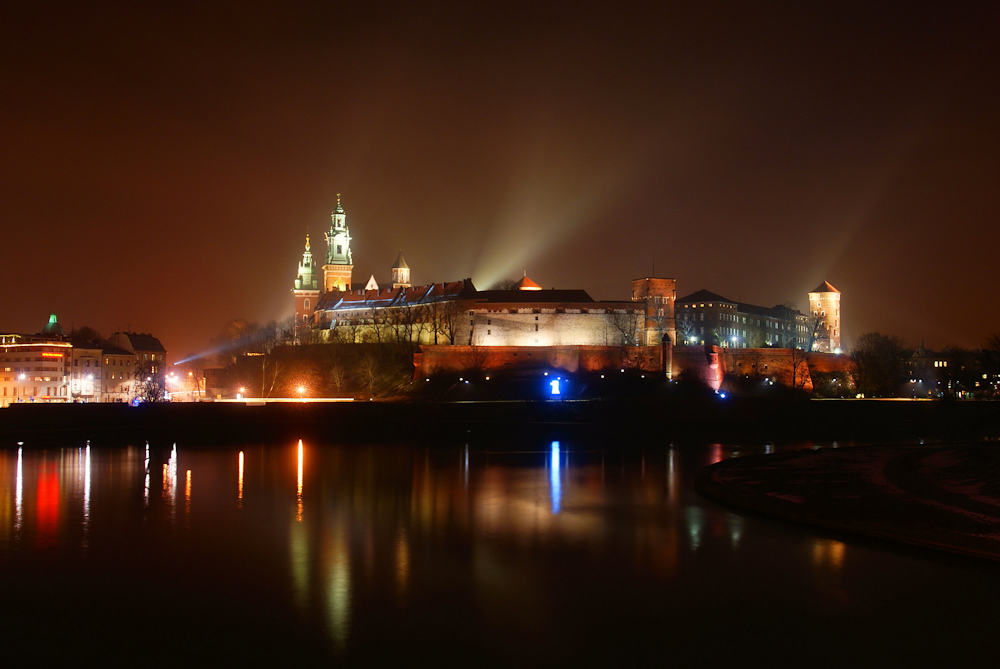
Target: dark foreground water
[558, 553]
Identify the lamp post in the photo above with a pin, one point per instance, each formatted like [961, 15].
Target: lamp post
[20, 377]
[301, 390]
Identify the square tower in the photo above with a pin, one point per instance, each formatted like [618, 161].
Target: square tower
[659, 296]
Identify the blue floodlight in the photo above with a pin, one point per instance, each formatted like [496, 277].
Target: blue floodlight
[555, 386]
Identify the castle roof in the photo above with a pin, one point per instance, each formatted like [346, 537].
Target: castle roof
[536, 295]
[526, 284]
[400, 263]
[704, 296]
[336, 300]
[825, 287]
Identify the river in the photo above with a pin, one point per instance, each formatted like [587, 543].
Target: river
[542, 552]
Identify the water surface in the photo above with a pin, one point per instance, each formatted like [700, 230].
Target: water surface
[540, 553]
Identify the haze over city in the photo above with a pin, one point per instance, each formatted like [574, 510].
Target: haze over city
[163, 164]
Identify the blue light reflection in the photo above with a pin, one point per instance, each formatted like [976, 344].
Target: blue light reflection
[554, 478]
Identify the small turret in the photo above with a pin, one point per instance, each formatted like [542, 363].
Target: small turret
[400, 273]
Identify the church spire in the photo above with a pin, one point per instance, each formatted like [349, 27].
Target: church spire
[339, 261]
[306, 280]
[306, 290]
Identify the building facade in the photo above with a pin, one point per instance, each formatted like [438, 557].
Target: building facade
[34, 369]
[704, 317]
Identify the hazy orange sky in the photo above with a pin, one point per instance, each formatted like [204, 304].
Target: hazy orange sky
[161, 164]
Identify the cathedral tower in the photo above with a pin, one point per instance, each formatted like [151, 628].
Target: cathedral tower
[400, 273]
[824, 310]
[339, 262]
[306, 289]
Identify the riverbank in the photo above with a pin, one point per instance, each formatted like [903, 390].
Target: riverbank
[940, 497]
[620, 423]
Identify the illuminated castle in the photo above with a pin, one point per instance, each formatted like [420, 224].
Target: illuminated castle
[457, 313]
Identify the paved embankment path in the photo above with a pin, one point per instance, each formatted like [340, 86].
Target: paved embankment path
[941, 497]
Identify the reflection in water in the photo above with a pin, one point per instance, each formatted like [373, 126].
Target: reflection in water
[338, 585]
[693, 515]
[47, 505]
[298, 513]
[556, 482]
[19, 493]
[187, 495]
[402, 564]
[239, 493]
[735, 530]
[298, 545]
[86, 495]
[828, 553]
[396, 531]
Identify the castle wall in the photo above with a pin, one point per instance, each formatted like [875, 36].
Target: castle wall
[525, 326]
[708, 364]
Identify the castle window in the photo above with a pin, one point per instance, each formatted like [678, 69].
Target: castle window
[340, 249]
[489, 332]
[306, 303]
[536, 327]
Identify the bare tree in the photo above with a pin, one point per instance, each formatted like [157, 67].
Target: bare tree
[799, 364]
[270, 369]
[147, 385]
[446, 320]
[685, 330]
[504, 284]
[369, 368]
[338, 376]
[878, 364]
[817, 330]
[477, 360]
[626, 325]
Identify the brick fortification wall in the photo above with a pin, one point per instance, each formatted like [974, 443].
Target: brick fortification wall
[707, 363]
[456, 359]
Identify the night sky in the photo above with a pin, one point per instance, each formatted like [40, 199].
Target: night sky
[161, 164]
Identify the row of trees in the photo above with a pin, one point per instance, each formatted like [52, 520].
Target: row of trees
[883, 367]
[439, 322]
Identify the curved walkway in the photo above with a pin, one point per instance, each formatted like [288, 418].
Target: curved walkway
[941, 497]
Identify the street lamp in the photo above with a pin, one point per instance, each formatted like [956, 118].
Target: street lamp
[20, 377]
[301, 390]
